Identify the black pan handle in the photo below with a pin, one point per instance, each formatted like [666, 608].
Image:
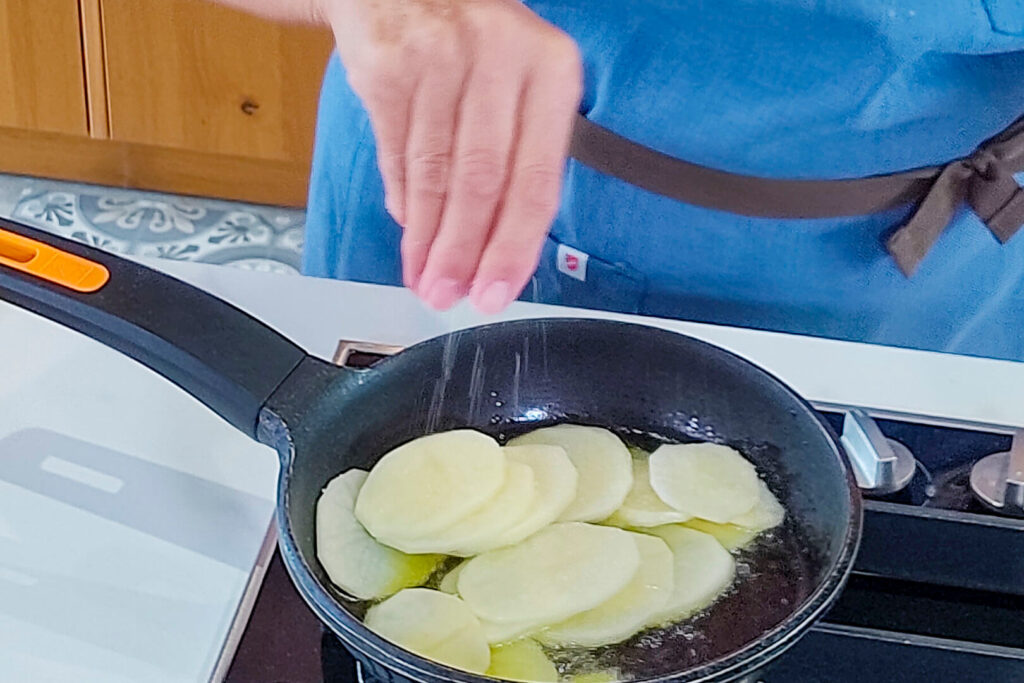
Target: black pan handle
[221, 355]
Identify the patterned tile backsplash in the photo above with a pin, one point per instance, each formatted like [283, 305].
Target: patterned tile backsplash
[140, 223]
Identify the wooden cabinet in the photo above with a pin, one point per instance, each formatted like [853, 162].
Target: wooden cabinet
[42, 83]
[205, 78]
[175, 95]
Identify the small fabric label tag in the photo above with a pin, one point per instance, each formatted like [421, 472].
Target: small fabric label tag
[572, 262]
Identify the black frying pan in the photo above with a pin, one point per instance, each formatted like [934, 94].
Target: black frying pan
[648, 384]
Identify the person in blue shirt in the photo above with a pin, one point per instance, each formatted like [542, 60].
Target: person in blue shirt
[440, 159]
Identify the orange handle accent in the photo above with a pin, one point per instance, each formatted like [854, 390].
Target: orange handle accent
[50, 263]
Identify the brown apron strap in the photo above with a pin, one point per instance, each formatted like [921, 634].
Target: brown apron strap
[985, 179]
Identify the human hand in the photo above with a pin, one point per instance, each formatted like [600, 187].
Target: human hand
[472, 104]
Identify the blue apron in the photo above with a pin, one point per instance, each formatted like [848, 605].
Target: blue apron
[771, 88]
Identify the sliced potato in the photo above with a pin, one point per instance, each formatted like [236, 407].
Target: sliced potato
[497, 632]
[449, 584]
[523, 660]
[702, 569]
[482, 530]
[478, 532]
[604, 466]
[353, 560]
[556, 479]
[434, 625]
[430, 483]
[768, 513]
[729, 535]
[643, 507]
[705, 480]
[629, 610]
[560, 571]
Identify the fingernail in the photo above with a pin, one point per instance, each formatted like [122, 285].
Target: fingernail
[443, 294]
[493, 298]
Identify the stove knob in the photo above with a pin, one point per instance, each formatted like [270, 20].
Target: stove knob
[881, 466]
[997, 480]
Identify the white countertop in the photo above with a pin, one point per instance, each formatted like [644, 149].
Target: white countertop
[131, 518]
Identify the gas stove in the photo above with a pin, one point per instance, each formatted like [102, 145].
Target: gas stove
[937, 592]
[938, 587]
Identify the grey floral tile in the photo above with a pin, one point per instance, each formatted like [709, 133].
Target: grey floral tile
[144, 217]
[12, 189]
[263, 265]
[248, 236]
[100, 242]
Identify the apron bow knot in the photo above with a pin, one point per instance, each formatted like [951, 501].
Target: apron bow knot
[985, 181]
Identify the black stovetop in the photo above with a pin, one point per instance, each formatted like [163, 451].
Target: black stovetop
[880, 631]
[937, 595]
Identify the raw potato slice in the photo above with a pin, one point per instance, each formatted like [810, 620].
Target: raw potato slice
[560, 571]
[702, 570]
[705, 480]
[556, 488]
[449, 584]
[768, 513]
[643, 507]
[604, 466]
[497, 632]
[353, 560]
[476, 533]
[434, 625]
[730, 536]
[481, 531]
[430, 483]
[630, 610]
[523, 660]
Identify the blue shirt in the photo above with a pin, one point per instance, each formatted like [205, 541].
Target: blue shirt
[773, 88]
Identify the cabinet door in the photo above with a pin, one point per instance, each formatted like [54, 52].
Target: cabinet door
[42, 83]
[196, 76]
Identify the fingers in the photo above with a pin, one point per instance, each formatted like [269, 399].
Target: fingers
[390, 129]
[479, 171]
[427, 163]
[530, 202]
[384, 91]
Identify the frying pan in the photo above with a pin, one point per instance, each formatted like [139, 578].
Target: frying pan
[650, 385]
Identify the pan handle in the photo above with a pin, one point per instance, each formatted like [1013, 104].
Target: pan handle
[221, 355]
